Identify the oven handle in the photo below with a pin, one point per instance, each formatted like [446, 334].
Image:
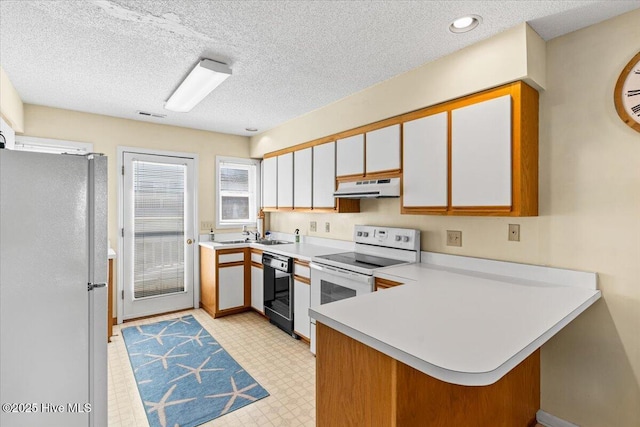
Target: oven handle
[341, 273]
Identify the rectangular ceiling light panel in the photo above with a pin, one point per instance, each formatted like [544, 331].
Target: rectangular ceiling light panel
[204, 78]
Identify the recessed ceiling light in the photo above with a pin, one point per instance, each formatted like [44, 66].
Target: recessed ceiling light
[464, 24]
[251, 129]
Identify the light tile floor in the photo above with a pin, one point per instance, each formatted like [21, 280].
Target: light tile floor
[282, 365]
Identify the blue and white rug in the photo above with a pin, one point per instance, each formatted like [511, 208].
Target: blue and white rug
[184, 376]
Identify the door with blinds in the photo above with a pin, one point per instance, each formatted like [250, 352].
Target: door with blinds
[158, 234]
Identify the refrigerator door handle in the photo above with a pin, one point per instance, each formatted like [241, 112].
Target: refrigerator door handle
[92, 286]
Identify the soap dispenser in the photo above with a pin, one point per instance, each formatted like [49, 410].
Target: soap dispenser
[212, 236]
[297, 235]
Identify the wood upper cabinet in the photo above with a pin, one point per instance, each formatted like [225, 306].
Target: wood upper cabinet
[285, 181]
[383, 150]
[425, 162]
[270, 182]
[350, 156]
[492, 155]
[481, 154]
[303, 178]
[324, 175]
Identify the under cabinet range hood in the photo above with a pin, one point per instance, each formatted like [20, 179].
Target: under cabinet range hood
[368, 188]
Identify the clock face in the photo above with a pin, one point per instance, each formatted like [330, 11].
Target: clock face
[627, 94]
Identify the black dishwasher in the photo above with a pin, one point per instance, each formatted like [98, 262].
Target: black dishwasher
[278, 290]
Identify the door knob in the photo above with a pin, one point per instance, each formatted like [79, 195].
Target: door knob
[189, 241]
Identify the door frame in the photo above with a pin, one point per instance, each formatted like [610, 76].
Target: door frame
[196, 255]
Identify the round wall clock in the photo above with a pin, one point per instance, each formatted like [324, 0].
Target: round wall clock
[626, 96]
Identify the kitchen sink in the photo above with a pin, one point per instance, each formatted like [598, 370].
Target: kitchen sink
[273, 242]
[262, 242]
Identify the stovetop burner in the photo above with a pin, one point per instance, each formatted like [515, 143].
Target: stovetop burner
[361, 260]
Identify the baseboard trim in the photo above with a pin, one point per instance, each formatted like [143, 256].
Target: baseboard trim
[549, 420]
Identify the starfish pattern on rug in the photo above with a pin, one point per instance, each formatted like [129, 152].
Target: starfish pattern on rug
[196, 371]
[234, 395]
[194, 338]
[158, 337]
[161, 406]
[178, 320]
[169, 371]
[163, 358]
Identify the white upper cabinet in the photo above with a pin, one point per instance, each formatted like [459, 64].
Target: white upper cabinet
[324, 175]
[383, 149]
[270, 182]
[350, 156]
[425, 163]
[285, 180]
[302, 178]
[481, 154]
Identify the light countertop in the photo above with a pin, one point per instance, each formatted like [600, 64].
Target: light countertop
[303, 251]
[111, 254]
[463, 326]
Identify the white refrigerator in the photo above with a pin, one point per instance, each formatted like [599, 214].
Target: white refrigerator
[53, 293]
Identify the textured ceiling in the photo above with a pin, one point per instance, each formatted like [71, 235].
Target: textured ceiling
[116, 57]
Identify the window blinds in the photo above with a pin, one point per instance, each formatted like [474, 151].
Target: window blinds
[159, 228]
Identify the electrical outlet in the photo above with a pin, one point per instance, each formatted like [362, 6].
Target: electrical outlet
[514, 232]
[313, 226]
[454, 238]
[206, 225]
[327, 227]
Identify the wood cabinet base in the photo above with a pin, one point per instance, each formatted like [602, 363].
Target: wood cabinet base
[359, 386]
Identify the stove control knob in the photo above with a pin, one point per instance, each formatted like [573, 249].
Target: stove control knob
[365, 234]
[405, 239]
[359, 234]
[398, 238]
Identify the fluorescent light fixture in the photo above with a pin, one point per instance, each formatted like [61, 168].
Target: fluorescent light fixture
[205, 77]
[464, 24]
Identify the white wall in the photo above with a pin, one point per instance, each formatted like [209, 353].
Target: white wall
[589, 205]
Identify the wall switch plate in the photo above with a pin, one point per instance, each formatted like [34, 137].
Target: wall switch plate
[206, 225]
[327, 227]
[313, 226]
[454, 238]
[514, 232]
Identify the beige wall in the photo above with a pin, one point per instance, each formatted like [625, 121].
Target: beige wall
[589, 214]
[516, 54]
[107, 133]
[11, 107]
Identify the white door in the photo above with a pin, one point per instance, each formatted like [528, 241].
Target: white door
[257, 289]
[481, 154]
[270, 182]
[302, 300]
[324, 175]
[425, 161]
[350, 155]
[285, 181]
[158, 238]
[383, 149]
[302, 178]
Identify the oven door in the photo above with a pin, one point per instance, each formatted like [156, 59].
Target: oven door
[329, 284]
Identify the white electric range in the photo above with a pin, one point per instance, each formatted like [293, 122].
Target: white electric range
[346, 275]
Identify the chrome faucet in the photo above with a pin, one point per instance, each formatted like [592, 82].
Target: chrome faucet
[247, 233]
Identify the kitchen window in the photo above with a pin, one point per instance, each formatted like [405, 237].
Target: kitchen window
[237, 184]
[47, 145]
